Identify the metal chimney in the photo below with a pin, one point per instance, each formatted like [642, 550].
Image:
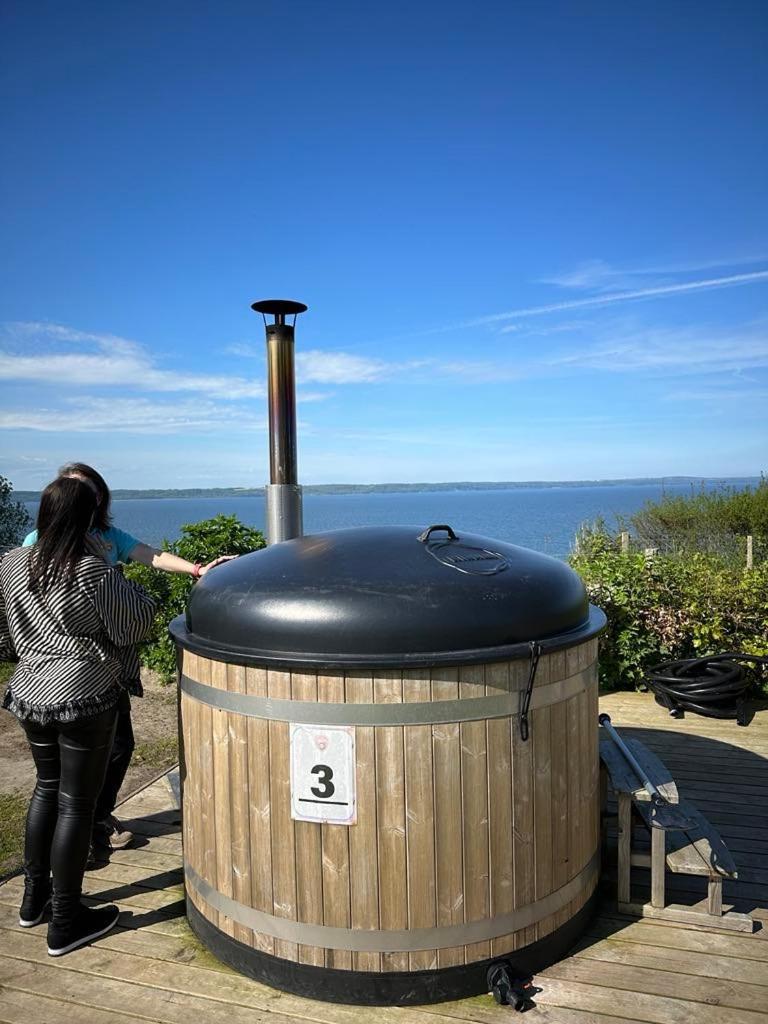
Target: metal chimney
[283, 494]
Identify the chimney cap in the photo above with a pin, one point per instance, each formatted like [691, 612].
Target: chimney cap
[278, 307]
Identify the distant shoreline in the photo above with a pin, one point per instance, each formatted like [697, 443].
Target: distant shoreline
[258, 492]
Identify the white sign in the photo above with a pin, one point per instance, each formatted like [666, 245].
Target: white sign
[323, 773]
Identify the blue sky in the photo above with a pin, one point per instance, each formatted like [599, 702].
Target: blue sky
[532, 238]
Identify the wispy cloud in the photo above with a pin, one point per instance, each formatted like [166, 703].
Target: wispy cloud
[132, 415]
[319, 366]
[615, 297]
[595, 301]
[691, 351]
[110, 362]
[598, 275]
[616, 349]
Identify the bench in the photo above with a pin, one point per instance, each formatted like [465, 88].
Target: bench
[696, 849]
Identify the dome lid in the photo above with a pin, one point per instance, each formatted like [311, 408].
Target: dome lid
[385, 596]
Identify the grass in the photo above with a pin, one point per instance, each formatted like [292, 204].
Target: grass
[13, 816]
[160, 753]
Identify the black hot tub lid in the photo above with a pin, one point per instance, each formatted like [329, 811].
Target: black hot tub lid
[392, 596]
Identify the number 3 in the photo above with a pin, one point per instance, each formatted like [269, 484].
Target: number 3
[325, 775]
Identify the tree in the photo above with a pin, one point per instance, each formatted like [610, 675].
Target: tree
[14, 518]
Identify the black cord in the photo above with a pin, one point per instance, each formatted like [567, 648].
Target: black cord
[714, 686]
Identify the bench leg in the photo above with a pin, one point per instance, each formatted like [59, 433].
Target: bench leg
[715, 897]
[658, 866]
[625, 843]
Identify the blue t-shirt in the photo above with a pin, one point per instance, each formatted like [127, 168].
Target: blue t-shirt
[119, 543]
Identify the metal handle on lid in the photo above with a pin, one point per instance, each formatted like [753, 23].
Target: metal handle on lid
[424, 537]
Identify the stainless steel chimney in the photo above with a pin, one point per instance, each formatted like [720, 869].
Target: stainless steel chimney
[283, 494]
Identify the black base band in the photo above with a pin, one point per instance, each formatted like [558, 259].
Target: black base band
[371, 988]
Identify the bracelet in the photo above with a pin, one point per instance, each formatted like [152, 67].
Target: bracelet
[196, 571]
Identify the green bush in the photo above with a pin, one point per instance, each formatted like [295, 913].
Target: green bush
[14, 518]
[715, 521]
[199, 542]
[665, 607]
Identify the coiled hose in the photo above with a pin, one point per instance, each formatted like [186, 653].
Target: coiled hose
[715, 686]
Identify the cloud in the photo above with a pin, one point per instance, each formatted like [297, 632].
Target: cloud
[111, 362]
[132, 415]
[598, 275]
[683, 351]
[625, 296]
[322, 367]
[596, 301]
[655, 351]
[245, 350]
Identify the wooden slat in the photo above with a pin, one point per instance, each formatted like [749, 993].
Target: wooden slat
[449, 875]
[363, 851]
[239, 803]
[335, 852]
[308, 845]
[222, 786]
[474, 795]
[560, 783]
[681, 964]
[391, 820]
[523, 844]
[542, 807]
[282, 836]
[259, 808]
[631, 977]
[500, 800]
[206, 787]
[420, 818]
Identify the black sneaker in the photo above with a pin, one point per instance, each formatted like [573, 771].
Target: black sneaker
[88, 924]
[111, 834]
[37, 896]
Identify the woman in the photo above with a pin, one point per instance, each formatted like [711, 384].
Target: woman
[68, 617]
[114, 546]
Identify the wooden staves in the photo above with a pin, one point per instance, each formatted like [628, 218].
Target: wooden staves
[460, 824]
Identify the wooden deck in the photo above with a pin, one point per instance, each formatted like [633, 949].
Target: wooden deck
[152, 968]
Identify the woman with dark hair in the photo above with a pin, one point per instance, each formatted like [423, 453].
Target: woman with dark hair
[113, 545]
[68, 617]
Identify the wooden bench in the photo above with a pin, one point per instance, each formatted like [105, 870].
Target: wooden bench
[696, 849]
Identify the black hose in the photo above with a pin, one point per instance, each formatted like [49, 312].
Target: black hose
[715, 686]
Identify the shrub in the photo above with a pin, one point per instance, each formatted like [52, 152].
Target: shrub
[715, 521]
[14, 518]
[669, 606]
[199, 542]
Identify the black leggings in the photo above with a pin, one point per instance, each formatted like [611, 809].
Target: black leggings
[71, 759]
[119, 760]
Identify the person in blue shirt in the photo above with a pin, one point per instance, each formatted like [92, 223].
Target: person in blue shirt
[113, 545]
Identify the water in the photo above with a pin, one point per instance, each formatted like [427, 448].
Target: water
[544, 518]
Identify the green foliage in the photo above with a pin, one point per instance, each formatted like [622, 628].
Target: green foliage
[199, 542]
[714, 521]
[14, 518]
[669, 606]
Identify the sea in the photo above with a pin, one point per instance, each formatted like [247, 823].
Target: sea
[544, 518]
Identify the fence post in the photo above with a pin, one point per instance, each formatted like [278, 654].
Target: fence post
[624, 542]
[749, 551]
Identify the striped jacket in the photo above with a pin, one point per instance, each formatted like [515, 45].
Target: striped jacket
[72, 641]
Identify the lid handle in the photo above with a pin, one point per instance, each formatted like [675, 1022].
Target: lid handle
[424, 537]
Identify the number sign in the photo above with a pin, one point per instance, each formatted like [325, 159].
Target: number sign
[323, 774]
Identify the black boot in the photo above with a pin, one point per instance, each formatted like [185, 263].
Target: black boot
[74, 925]
[37, 896]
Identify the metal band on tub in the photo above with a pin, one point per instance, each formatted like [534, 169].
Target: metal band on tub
[307, 712]
[363, 940]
